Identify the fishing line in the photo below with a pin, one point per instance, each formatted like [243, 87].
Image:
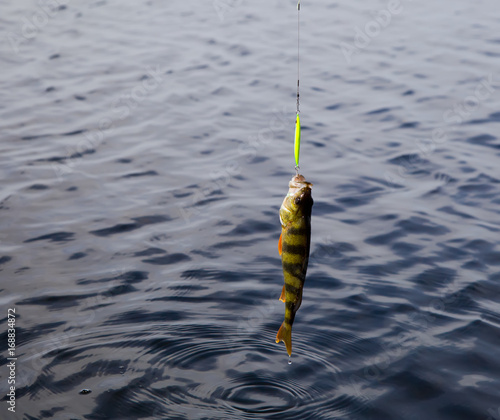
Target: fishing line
[297, 120]
[298, 56]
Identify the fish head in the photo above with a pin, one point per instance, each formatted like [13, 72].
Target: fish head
[298, 202]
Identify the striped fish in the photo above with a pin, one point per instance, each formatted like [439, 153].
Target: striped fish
[293, 246]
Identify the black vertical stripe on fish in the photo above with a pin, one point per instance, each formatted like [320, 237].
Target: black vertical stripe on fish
[292, 289]
[297, 230]
[293, 269]
[294, 249]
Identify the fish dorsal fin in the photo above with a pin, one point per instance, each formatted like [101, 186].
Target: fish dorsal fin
[280, 243]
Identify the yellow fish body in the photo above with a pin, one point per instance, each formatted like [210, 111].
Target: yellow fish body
[294, 244]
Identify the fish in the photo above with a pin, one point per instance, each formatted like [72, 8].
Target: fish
[293, 246]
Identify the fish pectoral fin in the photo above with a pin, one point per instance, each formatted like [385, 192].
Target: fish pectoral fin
[282, 297]
[298, 303]
[285, 334]
[280, 242]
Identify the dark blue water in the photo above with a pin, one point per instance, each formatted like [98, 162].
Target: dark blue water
[145, 150]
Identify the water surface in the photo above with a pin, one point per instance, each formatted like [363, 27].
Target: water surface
[146, 148]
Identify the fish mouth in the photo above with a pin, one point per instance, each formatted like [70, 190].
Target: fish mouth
[298, 181]
[299, 185]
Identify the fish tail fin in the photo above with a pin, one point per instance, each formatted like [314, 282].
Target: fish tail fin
[285, 334]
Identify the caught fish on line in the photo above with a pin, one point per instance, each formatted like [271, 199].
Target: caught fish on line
[293, 246]
[295, 239]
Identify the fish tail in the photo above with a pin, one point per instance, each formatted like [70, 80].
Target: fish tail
[285, 334]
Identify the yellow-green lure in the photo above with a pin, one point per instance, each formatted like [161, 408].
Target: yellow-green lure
[297, 121]
[297, 140]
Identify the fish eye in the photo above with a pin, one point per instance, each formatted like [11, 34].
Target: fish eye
[297, 200]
